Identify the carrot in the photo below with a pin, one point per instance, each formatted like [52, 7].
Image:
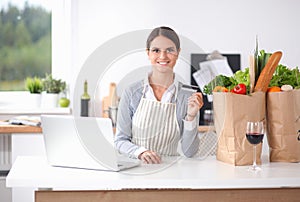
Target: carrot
[273, 89]
[267, 72]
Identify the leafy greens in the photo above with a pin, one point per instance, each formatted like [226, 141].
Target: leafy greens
[285, 76]
[229, 82]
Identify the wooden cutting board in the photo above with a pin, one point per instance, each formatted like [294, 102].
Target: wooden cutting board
[108, 100]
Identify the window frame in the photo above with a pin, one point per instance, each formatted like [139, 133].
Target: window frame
[63, 13]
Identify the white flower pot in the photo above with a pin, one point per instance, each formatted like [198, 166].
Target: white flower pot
[49, 100]
[35, 100]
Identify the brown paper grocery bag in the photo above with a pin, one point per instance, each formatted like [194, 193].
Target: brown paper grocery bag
[231, 113]
[283, 116]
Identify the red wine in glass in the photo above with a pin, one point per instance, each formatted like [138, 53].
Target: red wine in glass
[255, 135]
[255, 138]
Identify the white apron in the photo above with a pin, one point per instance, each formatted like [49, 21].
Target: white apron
[155, 127]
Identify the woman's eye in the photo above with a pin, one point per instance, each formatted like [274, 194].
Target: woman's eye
[155, 50]
[170, 50]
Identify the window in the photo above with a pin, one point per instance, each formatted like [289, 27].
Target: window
[25, 42]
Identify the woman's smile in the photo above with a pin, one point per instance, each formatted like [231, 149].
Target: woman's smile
[163, 63]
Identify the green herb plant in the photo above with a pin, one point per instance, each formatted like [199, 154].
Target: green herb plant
[51, 85]
[34, 85]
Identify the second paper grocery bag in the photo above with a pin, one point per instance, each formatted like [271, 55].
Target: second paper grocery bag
[283, 110]
[231, 113]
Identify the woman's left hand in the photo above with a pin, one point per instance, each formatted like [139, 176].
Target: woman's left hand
[195, 102]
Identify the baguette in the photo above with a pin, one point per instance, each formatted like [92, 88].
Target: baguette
[267, 72]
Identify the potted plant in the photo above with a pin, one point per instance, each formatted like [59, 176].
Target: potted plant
[52, 87]
[35, 86]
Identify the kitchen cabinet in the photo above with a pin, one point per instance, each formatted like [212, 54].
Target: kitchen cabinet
[184, 179]
[22, 140]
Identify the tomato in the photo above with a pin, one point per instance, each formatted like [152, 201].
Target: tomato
[240, 89]
[220, 89]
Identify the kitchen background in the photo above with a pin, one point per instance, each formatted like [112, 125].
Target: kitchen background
[227, 26]
[79, 27]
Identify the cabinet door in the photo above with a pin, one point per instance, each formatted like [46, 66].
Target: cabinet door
[24, 144]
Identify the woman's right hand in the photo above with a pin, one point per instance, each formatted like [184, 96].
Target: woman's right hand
[150, 157]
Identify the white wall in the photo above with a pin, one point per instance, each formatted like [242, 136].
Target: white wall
[229, 26]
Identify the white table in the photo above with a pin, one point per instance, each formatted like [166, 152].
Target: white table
[181, 179]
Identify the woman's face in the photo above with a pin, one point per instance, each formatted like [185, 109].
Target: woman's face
[163, 54]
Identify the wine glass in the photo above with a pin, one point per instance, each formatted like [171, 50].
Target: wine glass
[255, 134]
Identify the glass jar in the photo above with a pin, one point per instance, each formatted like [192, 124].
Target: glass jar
[208, 117]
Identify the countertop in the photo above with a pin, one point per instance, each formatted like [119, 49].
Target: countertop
[8, 128]
[11, 112]
[181, 173]
[5, 129]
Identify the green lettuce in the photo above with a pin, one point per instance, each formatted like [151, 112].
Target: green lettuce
[229, 82]
[219, 80]
[285, 76]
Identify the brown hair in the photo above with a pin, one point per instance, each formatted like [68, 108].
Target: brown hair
[166, 32]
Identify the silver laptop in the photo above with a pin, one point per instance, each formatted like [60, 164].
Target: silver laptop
[82, 142]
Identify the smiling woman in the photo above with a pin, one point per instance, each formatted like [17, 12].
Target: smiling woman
[148, 125]
[25, 43]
